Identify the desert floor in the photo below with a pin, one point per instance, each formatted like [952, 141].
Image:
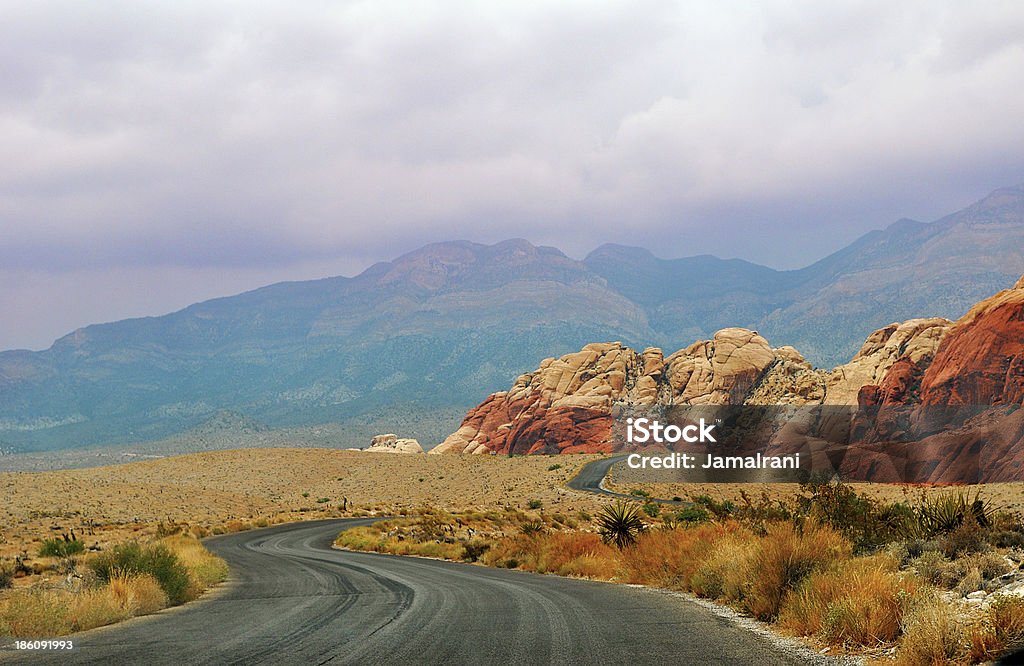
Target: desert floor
[229, 489]
[1003, 496]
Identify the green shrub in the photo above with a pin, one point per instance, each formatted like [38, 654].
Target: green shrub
[620, 523]
[552, 468]
[652, 509]
[864, 521]
[61, 547]
[534, 504]
[721, 510]
[941, 514]
[156, 560]
[532, 527]
[693, 514]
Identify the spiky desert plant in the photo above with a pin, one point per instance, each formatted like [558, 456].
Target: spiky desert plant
[620, 523]
[944, 513]
[531, 527]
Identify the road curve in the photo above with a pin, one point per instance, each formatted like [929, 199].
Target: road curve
[591, 477]
[292, 599]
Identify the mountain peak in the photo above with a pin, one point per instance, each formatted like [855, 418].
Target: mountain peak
[1003, 205]
[621, 253]
[440, 265]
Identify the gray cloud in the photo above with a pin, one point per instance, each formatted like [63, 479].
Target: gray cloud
[231, 137]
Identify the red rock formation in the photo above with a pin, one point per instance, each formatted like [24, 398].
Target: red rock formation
[981, 361]
[960, 425]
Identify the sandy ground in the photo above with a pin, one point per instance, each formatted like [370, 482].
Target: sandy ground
[1003, 496]
[108, 504]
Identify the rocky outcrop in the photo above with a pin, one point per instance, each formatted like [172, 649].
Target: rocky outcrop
[901, 372]
[391, 443]
[982, 360]
[953, 419]
[566, 405]
[916, 340]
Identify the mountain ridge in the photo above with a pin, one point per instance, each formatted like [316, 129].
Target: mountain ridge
[437, 328]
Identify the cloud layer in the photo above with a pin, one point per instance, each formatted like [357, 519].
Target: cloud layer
[248, 141]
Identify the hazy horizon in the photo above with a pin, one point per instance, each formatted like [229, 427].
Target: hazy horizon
[175, 152]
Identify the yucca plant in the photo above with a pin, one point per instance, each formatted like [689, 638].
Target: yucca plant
[532, 527]
[944, 513]
[620, 523]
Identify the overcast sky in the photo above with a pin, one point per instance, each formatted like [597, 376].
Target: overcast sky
[155, 154]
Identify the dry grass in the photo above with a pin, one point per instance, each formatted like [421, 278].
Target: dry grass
[563, 553]
[783, 558]
[861, 602]
[932, 635]
[204, 569]
[234, 490]
[139, 594]
[41, 611]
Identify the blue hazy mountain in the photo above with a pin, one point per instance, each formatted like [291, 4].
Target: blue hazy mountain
[414, 342]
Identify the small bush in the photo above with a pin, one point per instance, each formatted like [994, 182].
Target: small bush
[552, 468]
[967, 537]
[860, 603]
[693, 514]
[156, 560]
[1002, 631]
[933, 635]
[61, 547]
[721, 510]
[561, 553]
[94, 608]
[652, 509]
[534, 504]
[784, 557]
[474, 550]
[139, 594]
[724, 573]
[670, 558]
[204, 568]
[930, 566]
[620, 523]
[6, 575]
[34, 613]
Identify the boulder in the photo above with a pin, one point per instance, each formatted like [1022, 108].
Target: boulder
[391, 443]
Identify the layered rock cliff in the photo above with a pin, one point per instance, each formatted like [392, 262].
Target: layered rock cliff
[955, 418]
[982, 359]
[566, 405]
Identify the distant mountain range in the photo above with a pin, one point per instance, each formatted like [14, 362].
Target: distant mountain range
[408, 345]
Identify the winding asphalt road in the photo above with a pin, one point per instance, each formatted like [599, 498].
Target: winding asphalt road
[292, 599]
[591, 476]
